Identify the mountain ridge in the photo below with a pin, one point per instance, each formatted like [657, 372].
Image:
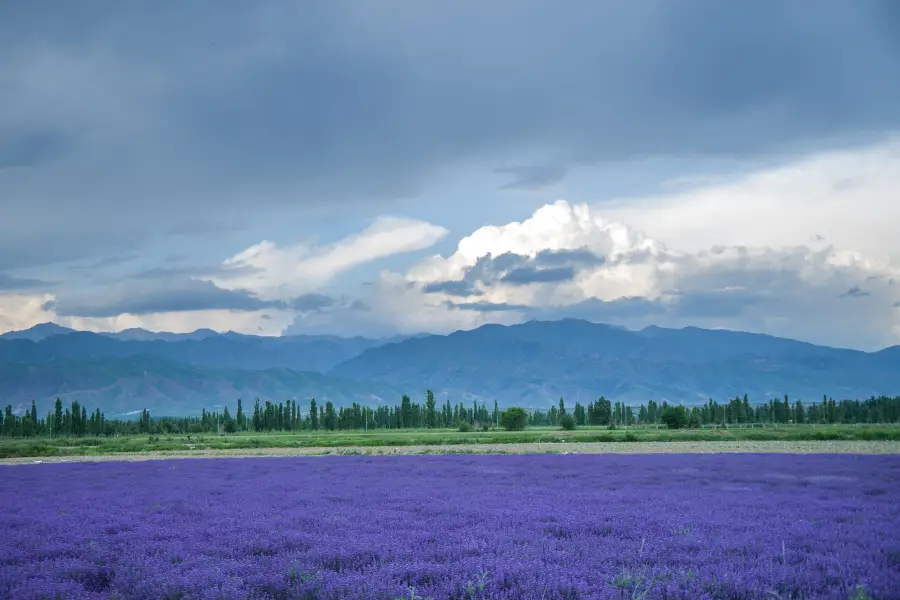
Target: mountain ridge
[538, 361]
[120, 386]
[530, 364]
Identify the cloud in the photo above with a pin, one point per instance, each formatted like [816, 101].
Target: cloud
[270, 322]
[854, 292]
[142, 297]
[451, 288]
[806, 195]
[487, 306]
[274, 272]
[621, 310]
[30, 148]
[607, 271]
[10, 283]
[311, 302]
[109, 261]
[526, 275]
[22, 310]
[113, 135]
[532, 177]
[283, 281]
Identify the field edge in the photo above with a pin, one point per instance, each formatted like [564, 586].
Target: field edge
[680, 447]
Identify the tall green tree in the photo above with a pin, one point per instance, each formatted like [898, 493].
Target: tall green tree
[602, 412]
[430, 412]
[313, 415]
[57, 418]
[406, 412]
[330, 416]
[257, 417]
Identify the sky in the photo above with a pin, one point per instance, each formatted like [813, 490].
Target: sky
[363, 168]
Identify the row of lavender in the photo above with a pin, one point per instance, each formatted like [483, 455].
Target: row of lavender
[502, 527]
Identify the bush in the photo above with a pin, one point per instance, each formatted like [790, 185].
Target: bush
[514, 419]
[567, 422]
[230, 426]
[464, 427]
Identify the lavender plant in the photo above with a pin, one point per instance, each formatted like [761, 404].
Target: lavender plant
[727, 527]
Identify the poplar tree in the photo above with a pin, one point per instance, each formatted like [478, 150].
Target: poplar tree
[430, 413]
[57, 417]
[313, 415]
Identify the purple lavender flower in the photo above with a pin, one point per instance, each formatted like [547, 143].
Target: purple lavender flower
[460, 527]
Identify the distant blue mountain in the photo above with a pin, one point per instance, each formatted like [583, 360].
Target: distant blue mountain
[535, 363]
[231, 350]
[532, 365]
[37, 333]
[142, 335]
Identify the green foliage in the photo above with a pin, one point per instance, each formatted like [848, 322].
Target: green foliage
[514, 419]
[674, 417]
[380, 438]
[230, 427]
[464, 427]
[567, 422]
[412, 595]
[860, 593]
[475, 586]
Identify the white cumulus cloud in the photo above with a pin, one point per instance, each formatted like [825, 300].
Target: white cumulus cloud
[281, 273]
[567, 260]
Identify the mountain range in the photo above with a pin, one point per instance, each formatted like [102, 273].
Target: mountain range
[531, 365]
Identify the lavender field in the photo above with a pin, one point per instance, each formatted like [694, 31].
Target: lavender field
[461, 527]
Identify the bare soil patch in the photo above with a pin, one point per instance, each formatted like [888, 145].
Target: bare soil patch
[801, 447]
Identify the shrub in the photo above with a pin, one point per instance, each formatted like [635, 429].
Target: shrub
[567, 422]
[230, 426]
[464, 427]
[514, 419]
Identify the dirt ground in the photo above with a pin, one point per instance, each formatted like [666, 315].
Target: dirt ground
[810, 447]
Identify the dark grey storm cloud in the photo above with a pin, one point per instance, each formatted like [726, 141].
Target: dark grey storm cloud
[11, 283]
[104, 263]
[452, 288]
[129, 119]
[137, 297]
[311, 302]
[854, 292]
[31, 148]
[547, 266]
[532, 177]
[581, 257]
[525, 275]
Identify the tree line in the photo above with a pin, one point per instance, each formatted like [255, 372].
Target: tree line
[75, 420]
